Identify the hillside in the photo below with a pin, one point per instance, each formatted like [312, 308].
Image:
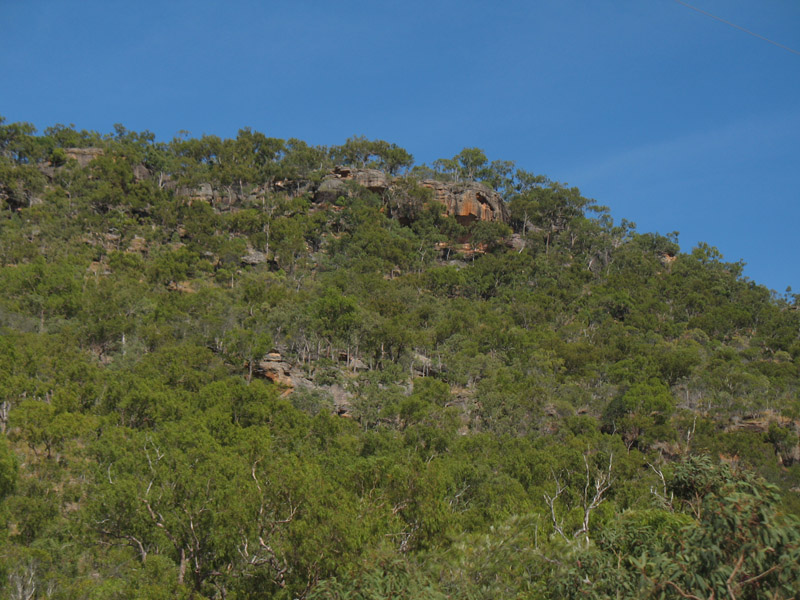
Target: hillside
[254, 368]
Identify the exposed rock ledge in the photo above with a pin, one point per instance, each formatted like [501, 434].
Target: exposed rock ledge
[467, 202]
[288, 375]
[279, 371]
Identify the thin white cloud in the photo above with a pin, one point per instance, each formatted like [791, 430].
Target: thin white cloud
[693, 151]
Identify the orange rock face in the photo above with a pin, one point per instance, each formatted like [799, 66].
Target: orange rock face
[276, 370]
[468, 202]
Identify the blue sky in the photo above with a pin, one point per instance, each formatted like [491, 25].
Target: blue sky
[672, 119]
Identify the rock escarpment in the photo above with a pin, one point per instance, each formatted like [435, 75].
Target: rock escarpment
[335, 184]
[466, 201]
[285, 373]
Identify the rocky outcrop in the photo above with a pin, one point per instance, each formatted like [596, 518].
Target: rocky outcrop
[97, 268]
[467, 202]
[203, 192]
[287, 374]
[141, 173]
[282, 372]
[424, 366]
[138, 244]
[335, 183]
[185, 287]
[276, 370]
[83, 155]
[253, 257]
[372, 179]
[330, 189]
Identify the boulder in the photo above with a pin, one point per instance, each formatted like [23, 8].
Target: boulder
[516, 242]
[424, 366]
[341, 399]
[203, 192]
[253, 257]
[140, 173]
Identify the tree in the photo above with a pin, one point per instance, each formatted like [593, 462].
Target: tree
[385, 576]
[248, 344]
[301, 161]
[470, 164]
[548, 211]
[8, 469]
[362, 153]
[180, 493]
[487, 235]
[641, 408]
[595, 482]
[739, 544]
[336, 315]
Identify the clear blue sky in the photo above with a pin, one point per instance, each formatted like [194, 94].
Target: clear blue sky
[671, 118]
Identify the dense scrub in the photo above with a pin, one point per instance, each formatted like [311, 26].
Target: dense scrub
[559, 406]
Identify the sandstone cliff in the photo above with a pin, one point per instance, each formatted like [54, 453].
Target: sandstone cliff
[467, 202]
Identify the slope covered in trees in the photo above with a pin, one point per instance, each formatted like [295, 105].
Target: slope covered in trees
[224, 374]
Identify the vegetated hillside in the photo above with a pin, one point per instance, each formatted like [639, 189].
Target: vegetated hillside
[253, 368]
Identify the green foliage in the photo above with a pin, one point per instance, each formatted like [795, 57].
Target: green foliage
[641, 409]
[213, 386]
[360, 152]
[387, 577]
[8, 470]
[739, 544]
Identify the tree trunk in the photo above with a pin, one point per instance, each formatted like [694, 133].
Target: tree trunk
[182, 570]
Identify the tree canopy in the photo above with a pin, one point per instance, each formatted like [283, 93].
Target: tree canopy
[218, 382]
